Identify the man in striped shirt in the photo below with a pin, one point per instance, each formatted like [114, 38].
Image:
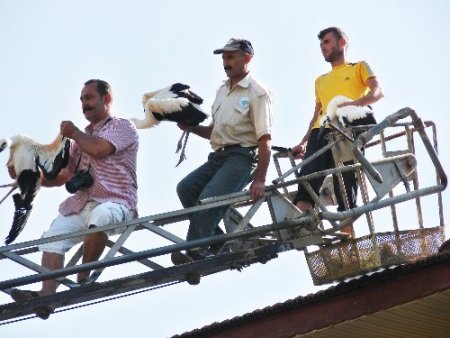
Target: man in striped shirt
[107, 149]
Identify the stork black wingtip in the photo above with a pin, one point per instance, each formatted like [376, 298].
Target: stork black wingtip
[176, 87]
[30, 154]
[9, 240]
[20, 219]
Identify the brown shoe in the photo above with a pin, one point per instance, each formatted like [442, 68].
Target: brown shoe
[23, 295]
[193, 278]
[42, 312]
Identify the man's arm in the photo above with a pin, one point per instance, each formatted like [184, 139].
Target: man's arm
[58, 181]
[375, 93]
[202, 131]
[258, 186]
[299, 150]
[92, 145]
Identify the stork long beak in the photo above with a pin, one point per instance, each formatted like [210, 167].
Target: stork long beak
[13, 187]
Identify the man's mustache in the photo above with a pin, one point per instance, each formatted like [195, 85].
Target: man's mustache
[87, 108]
[227, 68]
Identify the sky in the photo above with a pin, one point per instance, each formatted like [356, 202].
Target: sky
[50, 48]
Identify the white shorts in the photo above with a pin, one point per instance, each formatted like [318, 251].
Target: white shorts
[93, 213]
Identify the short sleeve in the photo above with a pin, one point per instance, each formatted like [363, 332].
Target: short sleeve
[262, 116]
[121, 133]
[365, 72]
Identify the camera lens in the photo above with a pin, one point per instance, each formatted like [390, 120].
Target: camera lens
[74, 184]
[81, 179]
[70, 188]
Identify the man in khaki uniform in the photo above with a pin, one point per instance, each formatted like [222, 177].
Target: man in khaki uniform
[240, 136]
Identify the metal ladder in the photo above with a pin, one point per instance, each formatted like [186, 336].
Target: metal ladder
[246, 241]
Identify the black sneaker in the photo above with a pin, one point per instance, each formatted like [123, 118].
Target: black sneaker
[215, 248]
[179, 258]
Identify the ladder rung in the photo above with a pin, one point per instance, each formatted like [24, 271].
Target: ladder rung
[397, 152]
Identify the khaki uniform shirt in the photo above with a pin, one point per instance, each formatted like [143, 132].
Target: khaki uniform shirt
[241, 115]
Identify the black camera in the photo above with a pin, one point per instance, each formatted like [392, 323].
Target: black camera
[81, 179]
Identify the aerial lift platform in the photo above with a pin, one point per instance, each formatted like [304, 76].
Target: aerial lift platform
[388, 180]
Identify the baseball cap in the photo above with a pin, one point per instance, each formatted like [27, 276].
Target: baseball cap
[234, 45]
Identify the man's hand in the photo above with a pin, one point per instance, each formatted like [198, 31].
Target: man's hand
[257, 190]
[12, 172]
[184, 127]
[349, 103]
[68, 129]
[202, 131]
[299, 150]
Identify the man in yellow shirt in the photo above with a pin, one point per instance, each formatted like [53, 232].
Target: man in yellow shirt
[353, 80]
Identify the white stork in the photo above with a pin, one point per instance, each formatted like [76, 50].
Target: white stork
[29, 158]
[174, 103]
[345, 115]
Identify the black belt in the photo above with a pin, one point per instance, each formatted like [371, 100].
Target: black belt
[232, 146]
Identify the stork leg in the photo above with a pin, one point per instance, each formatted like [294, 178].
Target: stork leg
[180, 142]
[13, 187]
[182, 145]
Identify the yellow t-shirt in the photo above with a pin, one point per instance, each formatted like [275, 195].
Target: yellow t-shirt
[349, 79]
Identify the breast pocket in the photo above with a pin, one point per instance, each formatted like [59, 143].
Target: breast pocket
[242, 105]
[241, 110]
[239, 115]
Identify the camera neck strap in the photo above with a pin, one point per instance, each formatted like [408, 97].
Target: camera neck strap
[78, 163]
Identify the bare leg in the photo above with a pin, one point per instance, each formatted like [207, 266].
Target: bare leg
[305, 206]
[348, 229]
[51, 261]
[93, 246]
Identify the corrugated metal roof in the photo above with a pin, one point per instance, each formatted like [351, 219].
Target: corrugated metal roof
[426, 315]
